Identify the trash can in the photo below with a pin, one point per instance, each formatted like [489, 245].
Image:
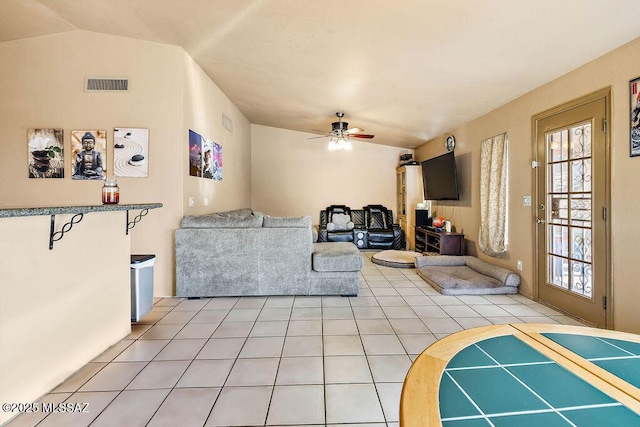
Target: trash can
[141, 285]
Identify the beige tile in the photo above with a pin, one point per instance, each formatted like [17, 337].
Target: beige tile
[170, 302]
[270, 329]
[389, 394]
[162, 332]
[131, 408]
[242, 314]
[191, 304]
[253, 372]
[241, 406]
[503, 320]
[382, 344]
[392, 301]
[177, 317]
[302, 346]
[307, 301]
[389, 369]
[303, 404]
[335, 301]
[417, 300]
[221, 348]
[197, 330]
[78, 379]
[306, 313]
[90, 403]
[114, 376]
[274, 314]
[251, 302]
[113, 351]
[346, 369]
[279, 302]
[209, 316]
[487, 310]
[163, 374]
[206, 373]
[185, 408]
[181, 349]
[339, 327]
[472, 322]
[30, 419]
[352, 403]
[342, 345]
[442, 326]
[137, 330]
[374, 326]
[304, 327]
[363, 301]
[337, 313]
[262, 347]
[300, 370]
[221, 303]
[233, 330]
[368, 312]
[416, 343]
[408, 326]
[443, 300]
[142, 351]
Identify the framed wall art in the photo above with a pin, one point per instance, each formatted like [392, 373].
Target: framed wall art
[131, 152]
[46, 153]
[88, 154]
[634, 104]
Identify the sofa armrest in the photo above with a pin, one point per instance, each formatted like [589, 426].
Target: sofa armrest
[440, 260]
[506, 276]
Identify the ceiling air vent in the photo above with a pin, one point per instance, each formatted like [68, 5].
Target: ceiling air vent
[106, 84]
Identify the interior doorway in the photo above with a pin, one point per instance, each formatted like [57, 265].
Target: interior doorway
[572, 151]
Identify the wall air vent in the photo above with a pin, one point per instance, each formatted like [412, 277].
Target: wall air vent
[227, 123]
[106, 84]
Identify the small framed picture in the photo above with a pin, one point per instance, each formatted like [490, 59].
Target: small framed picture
[634, 104]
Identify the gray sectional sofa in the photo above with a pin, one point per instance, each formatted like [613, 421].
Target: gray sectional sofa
[466, 275]
[241, 252]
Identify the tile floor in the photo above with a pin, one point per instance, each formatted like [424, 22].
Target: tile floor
[276, 361]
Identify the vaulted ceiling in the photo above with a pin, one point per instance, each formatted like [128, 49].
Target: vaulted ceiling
[406, 71]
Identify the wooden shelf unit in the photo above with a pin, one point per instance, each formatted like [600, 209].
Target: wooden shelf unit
[409, 194]
[439, 242]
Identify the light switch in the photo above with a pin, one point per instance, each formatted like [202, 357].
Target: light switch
[205, 201]
[192, 201]
[526, 200]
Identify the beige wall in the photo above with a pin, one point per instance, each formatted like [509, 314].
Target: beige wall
[59, 308]
[292, 175]
[614, 69]
[43, 87]
[204, 104]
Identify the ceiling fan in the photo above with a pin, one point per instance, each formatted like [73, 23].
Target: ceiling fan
[340, 134]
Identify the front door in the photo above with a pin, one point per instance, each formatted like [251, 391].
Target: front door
[572, 204]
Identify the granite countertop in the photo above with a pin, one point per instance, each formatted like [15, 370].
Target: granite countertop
[59, 210]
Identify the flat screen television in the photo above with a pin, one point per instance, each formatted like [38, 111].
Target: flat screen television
[439, 178]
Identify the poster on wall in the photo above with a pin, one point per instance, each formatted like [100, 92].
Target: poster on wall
[195, 154]
[46, 153]
[88, 154]
[634, 93]
[131, 152]
[205, 157]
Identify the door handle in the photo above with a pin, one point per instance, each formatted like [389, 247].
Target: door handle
[540, 221]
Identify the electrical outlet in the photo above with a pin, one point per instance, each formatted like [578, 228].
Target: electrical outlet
[192, 201]
[205, 201]
[526, 200]
[519, 265]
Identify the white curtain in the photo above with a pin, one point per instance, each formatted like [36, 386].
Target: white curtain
[493, 196]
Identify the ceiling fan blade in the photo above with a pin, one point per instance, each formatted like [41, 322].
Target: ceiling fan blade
[321, 136]
[361, 135]
[354, 130]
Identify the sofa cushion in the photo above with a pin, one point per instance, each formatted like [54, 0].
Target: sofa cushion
[287, 221]
[221, 221]
[503, 275]
[341, 222]
[336, 256]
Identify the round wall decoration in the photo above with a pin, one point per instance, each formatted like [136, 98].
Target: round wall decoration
[450, 143]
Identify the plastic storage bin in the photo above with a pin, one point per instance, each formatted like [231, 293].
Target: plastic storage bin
[141, 285]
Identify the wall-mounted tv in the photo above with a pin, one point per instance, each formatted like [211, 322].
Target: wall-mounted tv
[440, 178]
